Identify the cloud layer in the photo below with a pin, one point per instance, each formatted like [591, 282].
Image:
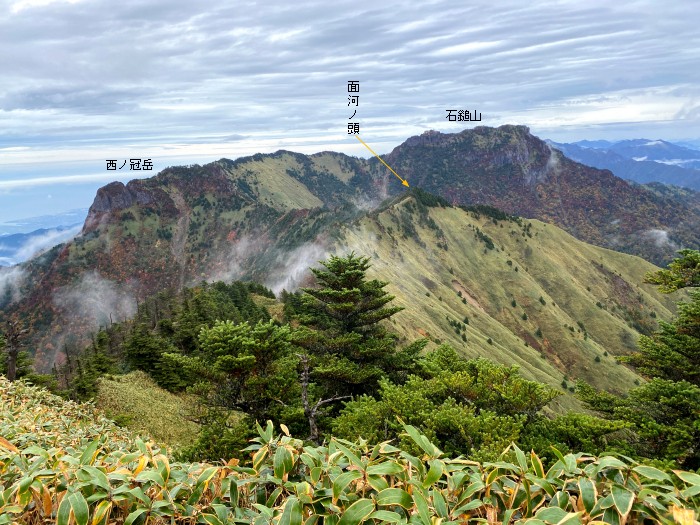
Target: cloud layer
[86, 80]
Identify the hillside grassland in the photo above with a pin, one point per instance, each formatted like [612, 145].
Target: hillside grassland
[138, 403]
[585, 301]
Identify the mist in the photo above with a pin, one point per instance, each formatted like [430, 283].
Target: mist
[11, 280]
[660, 237]
[294, 266]
[230, 267]
[95, 300]
[46, 241]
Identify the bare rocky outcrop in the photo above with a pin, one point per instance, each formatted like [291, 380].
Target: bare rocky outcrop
[117, 196]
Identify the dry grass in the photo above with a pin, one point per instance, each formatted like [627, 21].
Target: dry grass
[136, 401]
[551, 264]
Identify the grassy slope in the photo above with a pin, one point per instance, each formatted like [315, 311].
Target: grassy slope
[274, 186]
[138, 402]
[551, 264]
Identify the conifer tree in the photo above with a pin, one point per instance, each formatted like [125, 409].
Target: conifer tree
[345, 348]
[681, 273]
[341, 331]
[664, 413]
[11, 346]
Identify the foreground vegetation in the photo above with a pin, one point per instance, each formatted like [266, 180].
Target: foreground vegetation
[63, 463]
[392, 434]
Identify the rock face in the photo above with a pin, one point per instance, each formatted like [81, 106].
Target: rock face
[511, 169]
[116, 196]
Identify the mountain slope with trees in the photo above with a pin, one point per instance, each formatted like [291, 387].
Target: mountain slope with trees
[273, 215]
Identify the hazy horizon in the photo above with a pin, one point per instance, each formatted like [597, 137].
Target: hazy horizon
[179, 82]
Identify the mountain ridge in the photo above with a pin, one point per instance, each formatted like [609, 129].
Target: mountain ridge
[269, 217]
[637, 170]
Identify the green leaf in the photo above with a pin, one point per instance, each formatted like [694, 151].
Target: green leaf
[422, 506]
[264, 510]
[35, 451]
[520, 456]
[138, 493]
[343, 481]
[437, 468]
[652, 473]
[473, 504]
[570, 462]
[378, 483]
[560, 499]
[313, 519]
[86, 458]
[316, 474]
[233, 493]
[688, 477]
[571, 518]
[623, 499]
[151, 475]
[141, 446]
[273, 497]
[439, 503]
[357, 512]
[207, 475]
[507, 515]
[282, 462]
[131, 518]
[211, 519]
[97, 477]
[63, 514]
[537, 464]
[385, 468]
[292, 512]
[101, 511]
[395, 496]
[474, 487]
[354, 460]
[422, 441]
[551, 514]
[611, 516]
[691, 491]
[609, 461]
[386, 516]
[80, 508]
[588, 492]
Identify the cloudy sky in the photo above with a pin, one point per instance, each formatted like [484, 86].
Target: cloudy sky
[182, 81]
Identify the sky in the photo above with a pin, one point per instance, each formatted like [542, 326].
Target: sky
[183, 82]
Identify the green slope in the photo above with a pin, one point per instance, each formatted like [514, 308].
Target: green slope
[442, 271]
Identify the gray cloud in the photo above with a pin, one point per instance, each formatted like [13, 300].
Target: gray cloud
[157, 72]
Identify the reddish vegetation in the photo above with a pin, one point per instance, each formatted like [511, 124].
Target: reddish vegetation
[168, 231]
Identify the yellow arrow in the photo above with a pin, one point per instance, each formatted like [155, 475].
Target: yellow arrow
[403, 181]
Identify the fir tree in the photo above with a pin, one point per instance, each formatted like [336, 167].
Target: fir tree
[345, 348]
[342, 333]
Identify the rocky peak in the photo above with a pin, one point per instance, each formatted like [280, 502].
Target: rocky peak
[113, 197]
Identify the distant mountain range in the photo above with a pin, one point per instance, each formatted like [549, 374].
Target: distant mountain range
[22, 239]
[533, 294]
[43, 222]
[657, 151]
[639, 160]
[18, 247]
